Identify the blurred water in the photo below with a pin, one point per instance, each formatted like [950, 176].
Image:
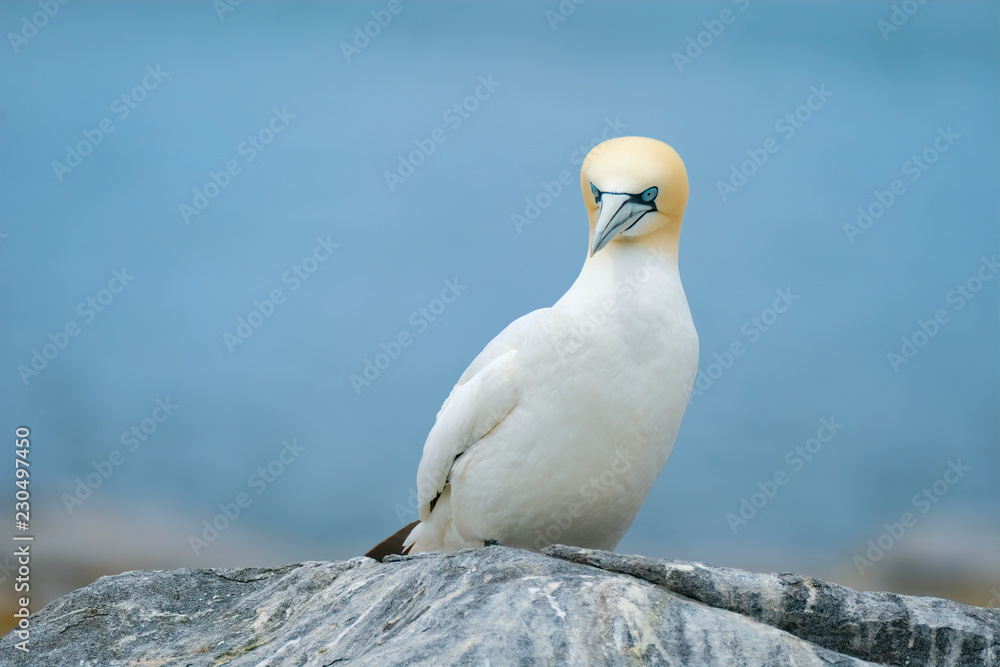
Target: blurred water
[609, 67]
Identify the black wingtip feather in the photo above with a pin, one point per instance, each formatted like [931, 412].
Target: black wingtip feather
[392, 544]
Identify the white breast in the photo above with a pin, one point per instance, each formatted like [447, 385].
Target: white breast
[604, 377]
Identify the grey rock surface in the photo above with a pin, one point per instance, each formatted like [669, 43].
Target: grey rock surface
[497, 606]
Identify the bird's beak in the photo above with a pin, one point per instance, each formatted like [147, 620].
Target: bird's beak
[619, 211]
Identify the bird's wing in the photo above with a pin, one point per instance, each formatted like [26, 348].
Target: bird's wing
[484, 396]
[509, 339]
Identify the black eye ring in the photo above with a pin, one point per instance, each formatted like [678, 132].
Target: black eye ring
[596, 193]
[649, 195]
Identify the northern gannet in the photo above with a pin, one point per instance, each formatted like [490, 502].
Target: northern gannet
[557, 430]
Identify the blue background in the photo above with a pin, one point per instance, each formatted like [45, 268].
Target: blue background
[559, 85]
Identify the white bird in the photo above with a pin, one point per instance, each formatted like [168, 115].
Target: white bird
[557, 430]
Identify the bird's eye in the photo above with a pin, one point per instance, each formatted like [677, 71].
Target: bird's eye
[649, 195]
[597, 193]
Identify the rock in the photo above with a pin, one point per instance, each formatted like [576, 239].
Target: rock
[497, 606]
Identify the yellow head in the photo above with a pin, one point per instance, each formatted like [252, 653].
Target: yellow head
[634, 188]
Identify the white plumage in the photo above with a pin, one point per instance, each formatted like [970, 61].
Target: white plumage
[558, 429]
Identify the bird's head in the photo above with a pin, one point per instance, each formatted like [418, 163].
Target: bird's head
[635, 189]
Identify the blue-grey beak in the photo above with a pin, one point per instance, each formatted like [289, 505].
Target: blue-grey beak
[619, 211]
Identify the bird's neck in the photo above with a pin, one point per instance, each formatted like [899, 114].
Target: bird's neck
[665, 240]
[661, 244]
[623, 267]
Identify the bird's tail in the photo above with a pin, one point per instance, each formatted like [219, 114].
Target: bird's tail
[392, 544]
[436, 533]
